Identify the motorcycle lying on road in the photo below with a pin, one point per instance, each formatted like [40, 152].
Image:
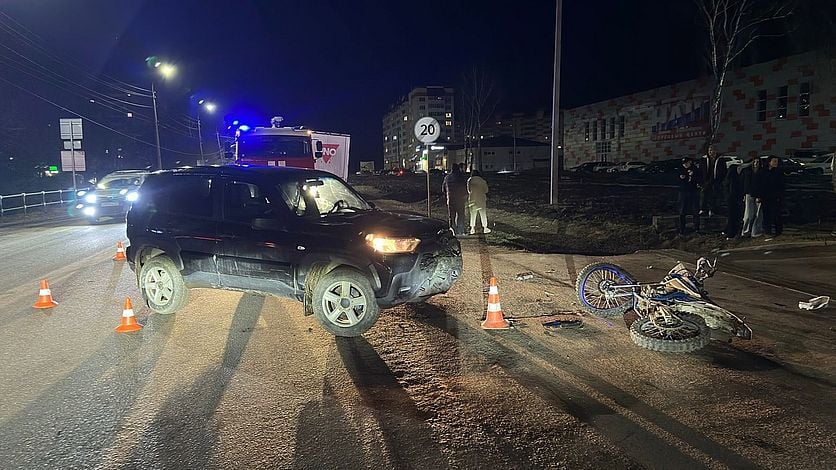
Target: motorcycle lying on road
[674, 315]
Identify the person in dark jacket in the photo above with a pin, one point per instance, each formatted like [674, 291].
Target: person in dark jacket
[712, 171]
[455, 187]
[688, 195]
[773, 198]
[733, 186]
[751, 178]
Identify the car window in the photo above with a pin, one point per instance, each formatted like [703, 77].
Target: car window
[183, 194]
[245, 202]
[320, 196]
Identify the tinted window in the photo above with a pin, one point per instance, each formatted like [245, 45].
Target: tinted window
[254, 146]
[181, 194]
[244, 202]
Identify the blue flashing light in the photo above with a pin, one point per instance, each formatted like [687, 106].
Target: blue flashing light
[235, 122]
[243, 128]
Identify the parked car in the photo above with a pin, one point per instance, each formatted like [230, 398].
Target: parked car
[625, 167]
[295, 233]
[111, 197]
[821, 165]
[789, 166]
[672, 165]
[584, 167]
[603, 167]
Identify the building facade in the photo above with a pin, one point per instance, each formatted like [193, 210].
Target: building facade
[535, 126]
[400, 147]
[495, 154]
[773, 108]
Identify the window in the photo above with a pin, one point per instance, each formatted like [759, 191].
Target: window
[448, 123]
[448, 115]
[622, 123]
[422, 107]
[586, 131]
[782, 103]
[761, 114]
[603, 129]
[184, 194]
[406, 118]
[595, 130]
[602, 150]
[245, 202]
[320, 196]
[804, 99]
[612, 128]
[421, 98]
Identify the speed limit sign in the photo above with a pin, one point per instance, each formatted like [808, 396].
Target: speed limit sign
[427, 130]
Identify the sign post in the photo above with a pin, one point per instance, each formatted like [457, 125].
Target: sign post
[427, 131]
[71, 130]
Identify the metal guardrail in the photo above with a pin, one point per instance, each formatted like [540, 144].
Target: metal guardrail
[26, 201]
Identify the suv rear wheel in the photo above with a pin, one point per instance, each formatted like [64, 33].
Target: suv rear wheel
[162, 285]
[344, 304]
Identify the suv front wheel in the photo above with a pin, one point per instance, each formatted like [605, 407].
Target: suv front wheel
[162, 285]
[344, 303]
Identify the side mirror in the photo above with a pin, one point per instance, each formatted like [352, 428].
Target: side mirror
[266, 224]
[372, 205]
[318, 146]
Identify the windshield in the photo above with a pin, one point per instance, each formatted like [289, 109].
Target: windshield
[823, 159]
[321, 196]
[119, 182]
[261, 146]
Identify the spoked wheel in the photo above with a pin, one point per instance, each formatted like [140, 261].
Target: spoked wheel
[344, 303]
[677, 333]
[597, 291]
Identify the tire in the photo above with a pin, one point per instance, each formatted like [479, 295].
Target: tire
[162, 285]
[344, 303]
[642, 333]
[596, 273]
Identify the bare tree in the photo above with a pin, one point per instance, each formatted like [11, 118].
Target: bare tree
[733, 26]
[478, 99]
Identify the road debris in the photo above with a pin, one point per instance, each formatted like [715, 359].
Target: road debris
[524, 276]
[815, 303]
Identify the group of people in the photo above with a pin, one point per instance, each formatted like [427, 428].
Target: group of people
[753, 195]
[466, 194]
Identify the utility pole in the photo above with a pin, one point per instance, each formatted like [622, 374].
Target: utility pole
[220, 149]
[200, 139]
[555, 157]
[156, 126]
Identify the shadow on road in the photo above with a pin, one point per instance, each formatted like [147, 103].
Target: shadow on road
[183, 433]
[409, 439]
[640, 444]
[75, 418]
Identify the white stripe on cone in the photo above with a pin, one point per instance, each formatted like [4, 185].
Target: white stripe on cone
[44, 292]
[494, 307]
[128, 313]
[493, 290]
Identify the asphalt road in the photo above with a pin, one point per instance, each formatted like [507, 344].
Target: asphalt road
[242, 381]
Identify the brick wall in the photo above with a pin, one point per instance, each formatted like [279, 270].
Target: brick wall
[671, 121]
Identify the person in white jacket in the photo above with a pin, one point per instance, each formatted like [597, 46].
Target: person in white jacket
[477, 190]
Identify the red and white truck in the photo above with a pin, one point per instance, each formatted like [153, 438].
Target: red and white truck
[293, 146]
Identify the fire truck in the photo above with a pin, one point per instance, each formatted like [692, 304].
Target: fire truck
[293, 146]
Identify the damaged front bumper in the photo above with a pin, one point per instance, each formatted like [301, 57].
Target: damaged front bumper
[418, 276]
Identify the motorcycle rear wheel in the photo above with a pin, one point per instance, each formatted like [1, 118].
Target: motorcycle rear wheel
[688, 335]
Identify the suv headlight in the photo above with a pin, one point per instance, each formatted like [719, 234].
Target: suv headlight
[384, 244]
[90, 199]
[132, 196]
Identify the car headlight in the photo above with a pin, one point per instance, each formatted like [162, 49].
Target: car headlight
[81, 193]
[131, 197]
[90, 199]
[89, 211]
[383, 244]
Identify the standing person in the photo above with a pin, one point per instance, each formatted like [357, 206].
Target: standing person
[455, 187]
[773, 198]
[734, 199]
[477, 188]
[688, 195]
[751, 179]
[712, 169]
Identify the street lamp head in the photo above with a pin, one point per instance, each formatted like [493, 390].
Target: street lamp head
[167, 70]
[201, 101]
[210, 107]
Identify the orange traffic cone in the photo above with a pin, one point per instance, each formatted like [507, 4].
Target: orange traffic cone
[120, 252]
[129, 323]
[45, 297]
[494, 319]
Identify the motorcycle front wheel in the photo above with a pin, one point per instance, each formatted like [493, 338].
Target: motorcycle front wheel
[597, 291]
[681, 333]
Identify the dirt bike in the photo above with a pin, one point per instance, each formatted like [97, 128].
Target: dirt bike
[674, 315]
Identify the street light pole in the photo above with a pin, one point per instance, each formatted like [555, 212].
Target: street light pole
[200, 138]
[555, 157]
[156, 126]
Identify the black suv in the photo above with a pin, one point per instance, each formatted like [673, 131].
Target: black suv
[302, 234]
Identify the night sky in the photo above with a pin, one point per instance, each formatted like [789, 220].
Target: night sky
[338, 65]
